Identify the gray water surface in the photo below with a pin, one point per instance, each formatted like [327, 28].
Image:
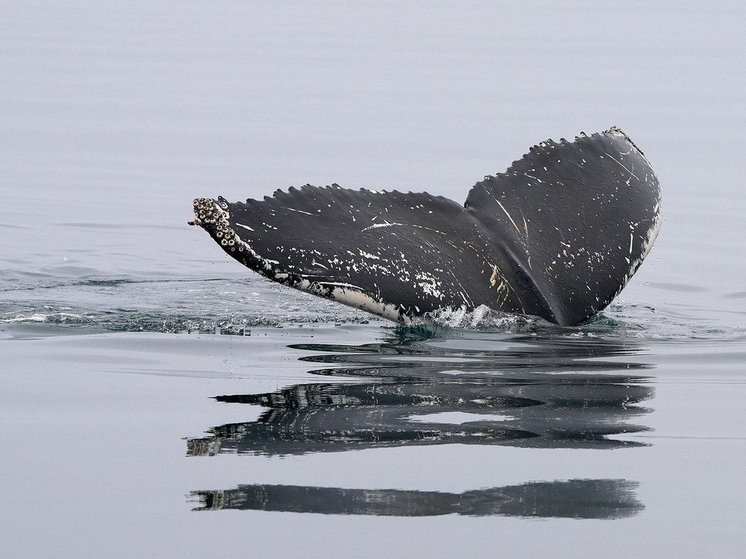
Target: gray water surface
[157, 399]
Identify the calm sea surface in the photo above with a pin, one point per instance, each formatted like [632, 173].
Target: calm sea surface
[159, 400]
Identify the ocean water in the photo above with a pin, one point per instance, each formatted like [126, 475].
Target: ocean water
[157, 399]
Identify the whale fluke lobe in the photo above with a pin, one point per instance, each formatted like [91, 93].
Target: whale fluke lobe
[557, 235]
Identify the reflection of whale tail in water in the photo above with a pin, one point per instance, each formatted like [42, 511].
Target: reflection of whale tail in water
[571, 398]
[581, 498]
[409, 392]
[557, 235]
[331, 417]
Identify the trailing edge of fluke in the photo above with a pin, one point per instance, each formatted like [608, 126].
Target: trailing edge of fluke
[557, 235]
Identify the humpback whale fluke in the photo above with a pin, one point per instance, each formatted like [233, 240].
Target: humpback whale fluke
[557, 235]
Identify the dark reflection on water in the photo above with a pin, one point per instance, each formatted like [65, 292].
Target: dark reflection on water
[423, 386]
[579, 498]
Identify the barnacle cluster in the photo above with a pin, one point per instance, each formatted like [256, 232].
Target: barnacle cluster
[213, 217]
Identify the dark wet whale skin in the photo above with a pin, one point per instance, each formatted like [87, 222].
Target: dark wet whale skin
[558, 235]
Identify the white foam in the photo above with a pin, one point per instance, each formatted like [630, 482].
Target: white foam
[480, 318]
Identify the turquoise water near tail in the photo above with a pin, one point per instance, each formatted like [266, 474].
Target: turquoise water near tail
[158, 399]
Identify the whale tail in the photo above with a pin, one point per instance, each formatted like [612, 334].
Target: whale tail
[557, 235]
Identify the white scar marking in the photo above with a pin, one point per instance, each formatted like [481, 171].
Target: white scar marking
[368, 255]
[301, 212]
[525, 240]
[533, 177]
[429, 284]
[506, 213]
[622, 165]
[244, 226]
[631, 238]
[315, 263]
[378, 225]
[493, 279]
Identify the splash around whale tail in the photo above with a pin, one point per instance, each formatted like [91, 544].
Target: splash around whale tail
[557, 235]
